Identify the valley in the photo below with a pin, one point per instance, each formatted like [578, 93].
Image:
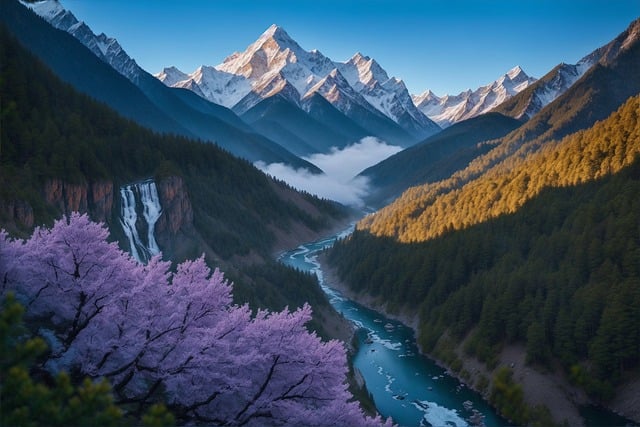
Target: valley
[416, 389]
[163, 235]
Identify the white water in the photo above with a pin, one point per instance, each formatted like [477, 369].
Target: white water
[128, 219]
[404, 385]
[144, 194]
[152, 211]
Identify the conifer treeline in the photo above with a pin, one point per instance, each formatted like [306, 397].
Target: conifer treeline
[553, 261]
[429, 211]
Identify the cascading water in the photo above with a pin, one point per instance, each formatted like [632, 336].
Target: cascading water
[151, 212]
[133, 196]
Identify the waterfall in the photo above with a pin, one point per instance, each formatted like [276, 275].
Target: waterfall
[152, 211]
[128, 219]
[134, 198]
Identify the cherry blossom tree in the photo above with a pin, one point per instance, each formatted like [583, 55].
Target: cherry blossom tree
[173, 336]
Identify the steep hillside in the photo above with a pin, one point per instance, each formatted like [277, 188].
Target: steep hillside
[596, 95]
[283, 121]
[76, 65]
[593, 97]
[436, 158]
[61, 151]
[543, 254]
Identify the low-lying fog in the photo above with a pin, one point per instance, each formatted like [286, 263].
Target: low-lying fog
[339, 182]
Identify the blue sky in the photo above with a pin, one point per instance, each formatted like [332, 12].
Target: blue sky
[443, 45]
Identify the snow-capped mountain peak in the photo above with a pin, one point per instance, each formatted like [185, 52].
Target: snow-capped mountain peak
[450, 109]
[272, 52]
[336, 89]
[273, 45]
[517, 73]
[388, 96]
[171, 75]
[278, 33]
[273, 57]
[106, 48]
[276, 64]
[368, 71]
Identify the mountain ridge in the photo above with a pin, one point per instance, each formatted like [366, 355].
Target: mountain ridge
[192, 115]
[437, 157]
[276, 63]
[450, 109]
[597, 94]
[558, 80]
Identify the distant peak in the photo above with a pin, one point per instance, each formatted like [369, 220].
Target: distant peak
[271, 30]
[170, 69]
[276, 32]
[515, 71]
[358, 57]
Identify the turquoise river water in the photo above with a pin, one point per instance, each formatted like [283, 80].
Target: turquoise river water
[404, 384]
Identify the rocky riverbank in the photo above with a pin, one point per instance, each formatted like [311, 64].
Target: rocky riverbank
[331, 278]
[548, 388]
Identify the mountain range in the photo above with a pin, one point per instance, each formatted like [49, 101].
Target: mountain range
[597, 94]
[63, 151]
[276, 64]
[581, 96]
[276, 99]
[450, 109]
[557, 81]
[113, 77]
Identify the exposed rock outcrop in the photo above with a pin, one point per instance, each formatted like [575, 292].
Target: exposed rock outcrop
[18, 212]
[177, 213]
[66, 197]
[101, 200]
[95, 198]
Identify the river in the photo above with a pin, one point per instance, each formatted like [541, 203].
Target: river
[404, 384]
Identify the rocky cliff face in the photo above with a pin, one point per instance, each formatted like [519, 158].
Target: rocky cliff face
[66, 197]
[18, 212]
[174, 230]
[177, 213]
[95, 198]
[100, 199]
